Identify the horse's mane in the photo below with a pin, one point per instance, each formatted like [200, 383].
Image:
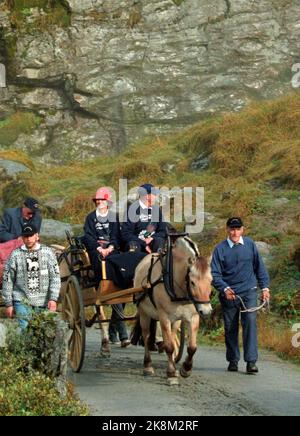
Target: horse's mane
[202, 266]
[189, 246]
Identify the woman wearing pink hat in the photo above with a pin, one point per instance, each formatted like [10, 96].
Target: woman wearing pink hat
[102, 238]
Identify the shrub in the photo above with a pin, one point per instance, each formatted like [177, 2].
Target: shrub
[27, 383]
[31, 393]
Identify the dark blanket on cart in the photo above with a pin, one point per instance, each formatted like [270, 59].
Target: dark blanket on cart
[122, 267]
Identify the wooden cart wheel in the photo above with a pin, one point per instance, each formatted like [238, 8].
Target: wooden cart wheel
[73, 313]
[180, 340]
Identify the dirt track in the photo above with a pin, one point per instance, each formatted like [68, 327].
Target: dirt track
[116, 386]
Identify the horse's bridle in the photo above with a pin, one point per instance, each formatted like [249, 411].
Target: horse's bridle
[189, 291]
[166, 278]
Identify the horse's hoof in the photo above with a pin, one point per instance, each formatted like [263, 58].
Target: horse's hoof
[172, 381]
[105, 354]
[184, 373]
[148, 372]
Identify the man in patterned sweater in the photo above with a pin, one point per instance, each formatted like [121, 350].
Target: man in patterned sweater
[31, 281]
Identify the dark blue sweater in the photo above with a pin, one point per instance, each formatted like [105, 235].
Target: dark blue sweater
[138, 219]
[96, 229]
[240, 267]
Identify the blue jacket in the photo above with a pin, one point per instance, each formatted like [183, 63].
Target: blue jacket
[12, 222]
[240, 267]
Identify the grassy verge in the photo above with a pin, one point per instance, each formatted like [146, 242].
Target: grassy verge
[274, 334]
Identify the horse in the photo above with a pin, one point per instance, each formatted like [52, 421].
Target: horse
[191, 288]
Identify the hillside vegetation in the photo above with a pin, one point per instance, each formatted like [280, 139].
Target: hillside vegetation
[248, 164]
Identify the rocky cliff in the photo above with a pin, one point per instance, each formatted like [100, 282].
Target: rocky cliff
[86, 77]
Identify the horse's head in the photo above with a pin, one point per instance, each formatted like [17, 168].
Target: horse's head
[200, 279]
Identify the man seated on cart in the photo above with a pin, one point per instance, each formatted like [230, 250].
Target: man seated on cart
[102, 240]
[144, 228]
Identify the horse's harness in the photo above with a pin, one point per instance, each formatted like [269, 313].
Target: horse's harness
[167, 278]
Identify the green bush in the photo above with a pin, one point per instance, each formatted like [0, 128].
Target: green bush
[34, 346]
[27, 385]
[31, 393]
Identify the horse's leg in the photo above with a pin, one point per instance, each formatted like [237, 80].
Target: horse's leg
[105, 348]
[187, 366]
[172, 375]
[175, 327]
[145, 326]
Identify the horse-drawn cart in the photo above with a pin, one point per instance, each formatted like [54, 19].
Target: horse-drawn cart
[79, 292]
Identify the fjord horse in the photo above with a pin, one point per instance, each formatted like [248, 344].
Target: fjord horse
[192, 288]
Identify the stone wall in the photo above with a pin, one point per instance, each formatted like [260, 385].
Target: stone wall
[124, 69]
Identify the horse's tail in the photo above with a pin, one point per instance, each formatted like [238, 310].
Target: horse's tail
[152, 337]
[136, 333]
[136, 337]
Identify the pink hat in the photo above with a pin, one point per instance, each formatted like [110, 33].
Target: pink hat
[103, 194]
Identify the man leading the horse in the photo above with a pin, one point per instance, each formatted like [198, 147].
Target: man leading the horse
[144, 229]
[237, 267]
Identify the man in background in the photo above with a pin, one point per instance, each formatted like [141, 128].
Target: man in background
[14, 218]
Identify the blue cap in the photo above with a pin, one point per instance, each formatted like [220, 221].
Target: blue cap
[148, 189]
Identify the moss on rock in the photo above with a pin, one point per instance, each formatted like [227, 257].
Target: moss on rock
[14, 125]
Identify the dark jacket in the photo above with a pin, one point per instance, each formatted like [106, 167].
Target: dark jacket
[240, 267]
[107, 229]
[137, 221]
[12, 222]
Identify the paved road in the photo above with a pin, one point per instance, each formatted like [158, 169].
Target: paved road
[117, 387]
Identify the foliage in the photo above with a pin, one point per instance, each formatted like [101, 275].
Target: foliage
[52, 12]
[15, 124]
[31, 393]
[27, 385]
[34, 347]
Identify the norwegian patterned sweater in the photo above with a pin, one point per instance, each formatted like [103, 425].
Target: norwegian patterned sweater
[32, 277]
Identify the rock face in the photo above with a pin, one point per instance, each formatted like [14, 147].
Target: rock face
[12, 168]
[265, 251]
[121, 70]
[53, 229]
